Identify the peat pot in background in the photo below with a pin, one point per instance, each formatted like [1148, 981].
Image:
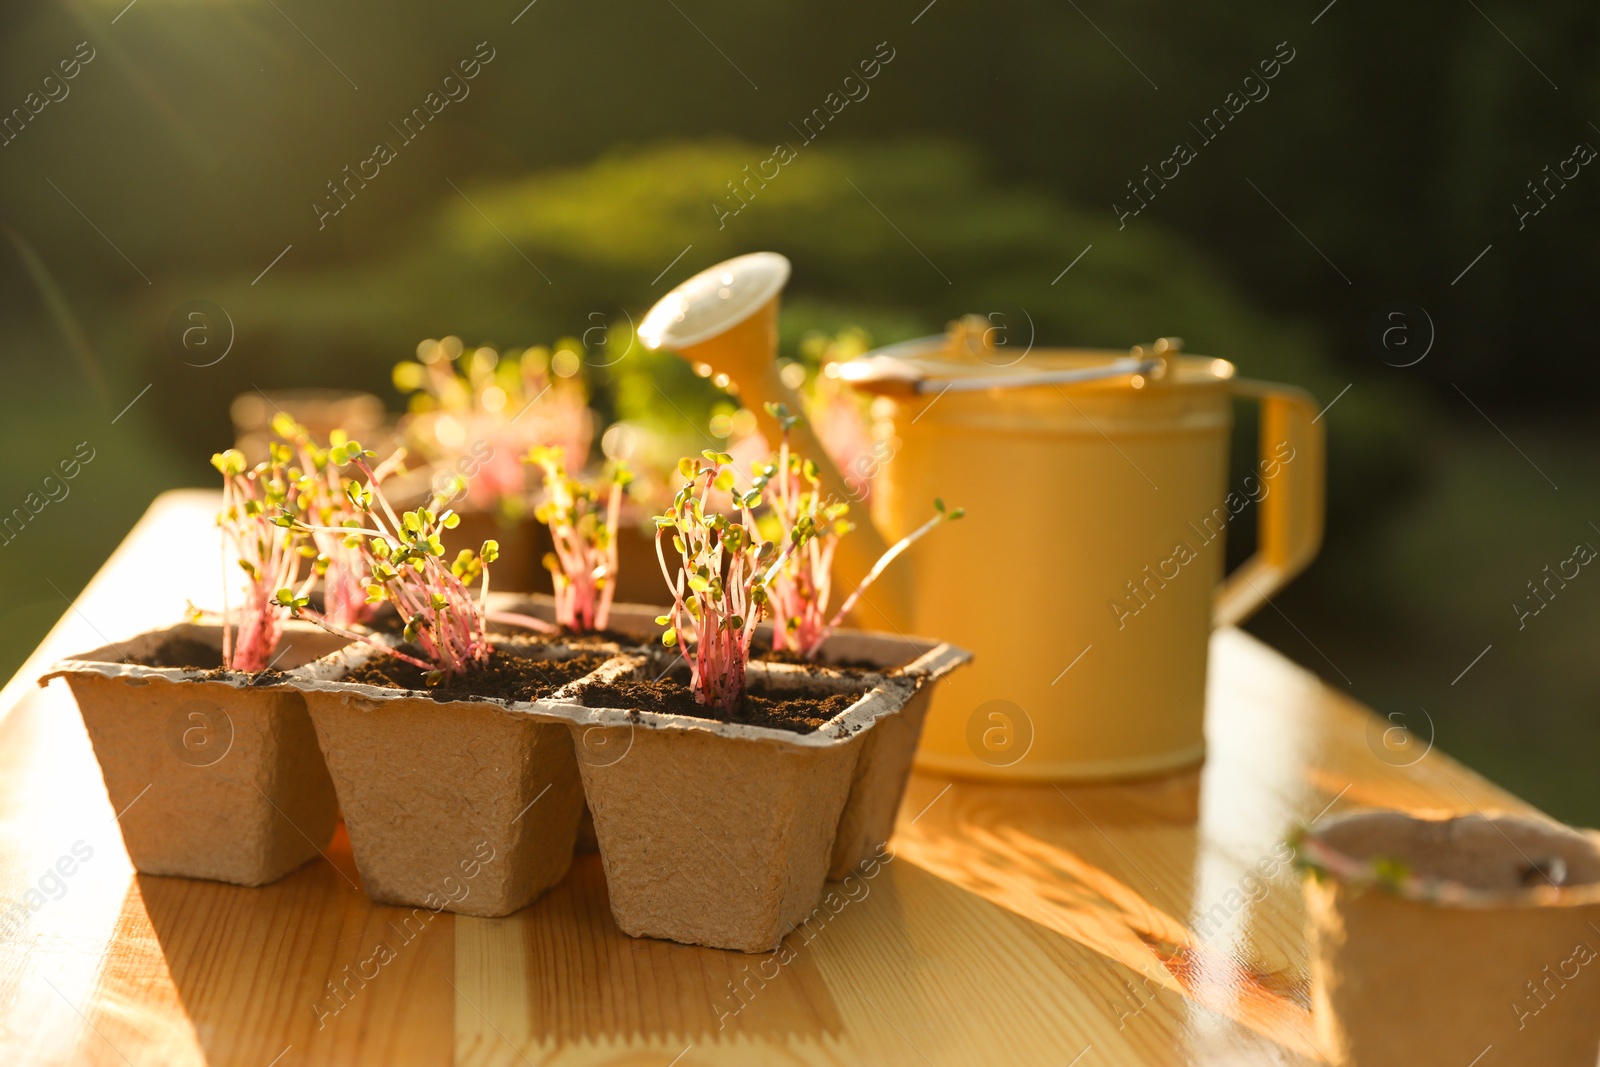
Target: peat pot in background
[320, 411]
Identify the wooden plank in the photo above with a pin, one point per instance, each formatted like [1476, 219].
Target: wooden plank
[174, 971]
[1140, 923]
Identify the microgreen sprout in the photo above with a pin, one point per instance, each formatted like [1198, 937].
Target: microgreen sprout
[583, 565]
[404, 564]
[322, 500]
[271, 557]
[800, 589]
[720, 590]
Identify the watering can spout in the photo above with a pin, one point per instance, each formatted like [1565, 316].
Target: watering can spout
[726, 317]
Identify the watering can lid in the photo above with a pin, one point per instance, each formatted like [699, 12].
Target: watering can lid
[714, 300]
[965, 360]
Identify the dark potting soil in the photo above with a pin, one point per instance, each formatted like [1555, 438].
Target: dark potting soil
[507, 677]
[391, 623]
[192, 654]
[780, 709]
[184, 653]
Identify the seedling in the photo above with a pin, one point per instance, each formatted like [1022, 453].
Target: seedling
[270, 556]
[720, 589]
[404, 565]
[583, 566]
[801, 587]
[321, 498]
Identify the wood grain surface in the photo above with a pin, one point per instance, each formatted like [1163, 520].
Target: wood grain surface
[1142, 923]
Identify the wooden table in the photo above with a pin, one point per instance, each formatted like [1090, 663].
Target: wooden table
[1148, 923]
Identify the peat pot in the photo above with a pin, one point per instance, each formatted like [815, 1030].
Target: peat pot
[885, 765]
[1434, 941]
[722, 834]
[466, 805]
[213, 774]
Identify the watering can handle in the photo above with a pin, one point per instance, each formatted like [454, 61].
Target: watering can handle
[1289, 526]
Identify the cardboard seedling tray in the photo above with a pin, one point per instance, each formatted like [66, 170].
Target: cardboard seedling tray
[711, 832]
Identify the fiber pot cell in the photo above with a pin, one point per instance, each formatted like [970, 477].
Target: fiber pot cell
[722, 834]
[1433, 939]
[884, 766]
[212, 775]
[467, 804]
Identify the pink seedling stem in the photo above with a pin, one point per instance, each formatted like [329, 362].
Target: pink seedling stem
[583, 566]
[720, 590]
[801, 588]
[321, 498]
[270, 556]
[893, 553]
[799, 592]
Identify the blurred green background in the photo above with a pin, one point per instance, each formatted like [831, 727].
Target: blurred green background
[186, 156]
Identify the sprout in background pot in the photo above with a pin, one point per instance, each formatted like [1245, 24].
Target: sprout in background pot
[583, 566]
[799, 589]
[404, 565]
[268, 554]
[476, 412]
[719, 593]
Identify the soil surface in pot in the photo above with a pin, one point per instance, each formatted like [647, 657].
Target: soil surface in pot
[390, 623]
[509, 676]
[781, 709]
[184, 653]
[192, 654]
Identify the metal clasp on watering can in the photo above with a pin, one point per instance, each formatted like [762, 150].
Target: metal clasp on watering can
[1088, 573]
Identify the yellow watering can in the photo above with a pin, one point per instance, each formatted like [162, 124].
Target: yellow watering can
[1088, 572]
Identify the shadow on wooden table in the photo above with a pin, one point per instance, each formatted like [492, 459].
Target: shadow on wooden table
[307, 963]
[560, 972]
[925, 954]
